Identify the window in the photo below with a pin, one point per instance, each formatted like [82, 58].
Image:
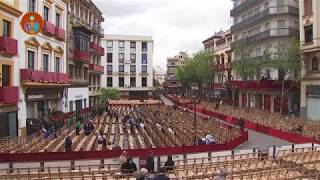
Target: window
[57, 70]
[46, 13]
[85, 103]
[132, 81]
[308, 34]
[144, 59]
[109, 57]
[6, 28]
[144, 81]
[144, 46]
[45, 62]
[132, 68]
[121, 45]
[31, 59]
[121, 68]
[5, 75]
[314, 64]
[121, 81]
[281, 23]
[132, 46]
[121, 57]
[308, 7]
[70, 106]
[109, 69]
[109, 45]
[57, 20]
[267, 26]
[109, 81]
[144, 69]
[133, 58]
[32, 6]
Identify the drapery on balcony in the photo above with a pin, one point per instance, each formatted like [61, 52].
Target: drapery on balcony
[96, 47]
[267, 85]
[9, 95]
[96, 68]
[82, 55]
[60, 33]
[49, 28]
[8, 46]
[43, 77]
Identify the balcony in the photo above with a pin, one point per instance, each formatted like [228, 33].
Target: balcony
[96, 68]
[36, 76]
[9, 95]
[271, 33]
[265, 85]
[228, 66]
[60, 33]
[49, 28]
[83, 56]
[98, 29]
[272, 11]
[244, 5]
[219, 67]
[97, 48]
[8, 46]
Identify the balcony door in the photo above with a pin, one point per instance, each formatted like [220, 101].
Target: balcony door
[5, 75]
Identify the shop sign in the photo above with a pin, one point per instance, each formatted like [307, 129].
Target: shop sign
[313, 95]
[35, 97]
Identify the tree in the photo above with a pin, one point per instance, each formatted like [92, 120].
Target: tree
[287, 59]
[198, 69]
[245, 67]
[107, 94]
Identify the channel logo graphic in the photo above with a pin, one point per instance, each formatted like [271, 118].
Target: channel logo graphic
[32, 23]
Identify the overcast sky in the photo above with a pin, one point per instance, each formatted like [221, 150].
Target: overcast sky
[175, 25]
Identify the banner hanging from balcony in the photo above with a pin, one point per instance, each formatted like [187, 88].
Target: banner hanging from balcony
[32, 23]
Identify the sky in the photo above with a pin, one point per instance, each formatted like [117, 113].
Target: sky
[175, 25]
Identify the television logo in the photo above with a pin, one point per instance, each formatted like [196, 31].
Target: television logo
[32, 23]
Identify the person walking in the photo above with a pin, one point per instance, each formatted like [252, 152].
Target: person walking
[78, 126]
[68, 144]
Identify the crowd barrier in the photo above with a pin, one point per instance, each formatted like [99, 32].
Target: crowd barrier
[288, 136]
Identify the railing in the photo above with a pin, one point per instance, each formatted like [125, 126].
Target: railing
[60, 33]
[279, 32]
[271, 85]
[82, 55]
[8, 46]
[43, 77]
[98, 29]
[246, 4]
[96, 47]
[9, 94]
[96, 68]
[263, 14]
[49, 28]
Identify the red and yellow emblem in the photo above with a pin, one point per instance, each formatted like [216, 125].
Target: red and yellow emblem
[32, 23]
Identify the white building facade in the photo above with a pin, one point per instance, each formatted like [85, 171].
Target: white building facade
[128, 62]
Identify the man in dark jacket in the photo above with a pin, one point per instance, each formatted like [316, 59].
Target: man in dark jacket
[129, 166]
[150, 162]
[68, 144]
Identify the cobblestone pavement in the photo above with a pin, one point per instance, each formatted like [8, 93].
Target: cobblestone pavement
[261, 141]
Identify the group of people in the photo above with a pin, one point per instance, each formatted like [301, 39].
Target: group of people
[128, 167]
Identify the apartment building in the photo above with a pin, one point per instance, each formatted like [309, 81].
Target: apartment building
[158, 76]
[220, 46]
[129, 65]
[84, 54]
[310, 48]
[42, 62]
[9, 67]
[260, 26]
[172, 84]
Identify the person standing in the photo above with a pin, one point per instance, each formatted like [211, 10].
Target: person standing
[150, 162]
[78, 126]
[68, 144]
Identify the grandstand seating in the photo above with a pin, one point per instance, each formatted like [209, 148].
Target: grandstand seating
[162, 127]
[299, 163]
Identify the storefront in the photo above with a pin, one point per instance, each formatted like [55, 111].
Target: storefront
[313, 102]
